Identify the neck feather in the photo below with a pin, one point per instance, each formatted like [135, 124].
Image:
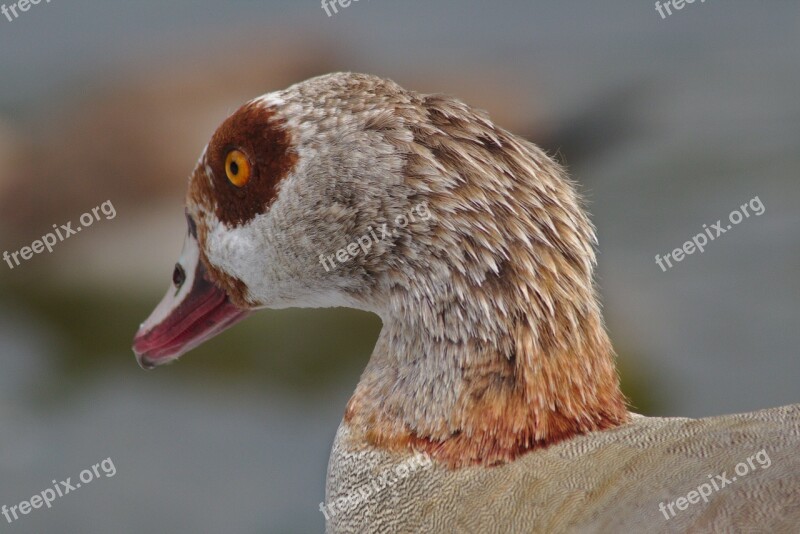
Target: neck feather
[493, 341]
[470, 387]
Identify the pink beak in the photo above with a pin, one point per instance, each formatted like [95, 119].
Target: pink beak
[193, 311]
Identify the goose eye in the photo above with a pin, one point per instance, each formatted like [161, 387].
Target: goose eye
[237, 167]
[178, 276]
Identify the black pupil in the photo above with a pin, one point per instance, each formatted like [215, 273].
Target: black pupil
[234, 168]
[178, 275]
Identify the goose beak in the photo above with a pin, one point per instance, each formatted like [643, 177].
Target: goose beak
[193, 311]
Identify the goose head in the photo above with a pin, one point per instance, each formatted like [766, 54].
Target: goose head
[469, 242]
[287, 181]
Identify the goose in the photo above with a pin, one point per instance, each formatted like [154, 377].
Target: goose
[491, 402]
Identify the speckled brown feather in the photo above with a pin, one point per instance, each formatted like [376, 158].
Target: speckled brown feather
[534, 363]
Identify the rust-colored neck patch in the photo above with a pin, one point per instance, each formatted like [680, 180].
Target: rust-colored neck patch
[264, 140]
[506, 407]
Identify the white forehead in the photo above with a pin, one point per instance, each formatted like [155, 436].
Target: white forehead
[301, 117]
[275, 100]
[332, 105]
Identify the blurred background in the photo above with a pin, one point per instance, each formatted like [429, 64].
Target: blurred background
[667, 124]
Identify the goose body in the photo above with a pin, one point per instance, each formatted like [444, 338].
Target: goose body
[627, 479]
[491, 402]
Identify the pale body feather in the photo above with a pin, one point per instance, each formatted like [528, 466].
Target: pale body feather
[609, 481]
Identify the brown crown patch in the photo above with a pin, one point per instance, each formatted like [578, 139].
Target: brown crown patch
[263, 138]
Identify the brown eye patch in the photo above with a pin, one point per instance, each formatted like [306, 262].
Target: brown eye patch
[254, 137]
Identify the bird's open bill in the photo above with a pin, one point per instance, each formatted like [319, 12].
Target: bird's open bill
[193, 311]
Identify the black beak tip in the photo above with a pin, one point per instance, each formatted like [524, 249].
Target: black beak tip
[144, 362]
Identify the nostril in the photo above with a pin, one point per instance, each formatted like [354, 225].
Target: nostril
[178, 276]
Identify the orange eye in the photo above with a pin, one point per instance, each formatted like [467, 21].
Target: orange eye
[237, 167]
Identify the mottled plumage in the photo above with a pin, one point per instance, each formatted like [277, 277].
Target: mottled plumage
[605, 482]
[493, 359]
